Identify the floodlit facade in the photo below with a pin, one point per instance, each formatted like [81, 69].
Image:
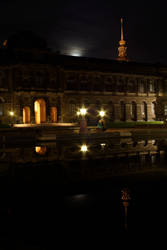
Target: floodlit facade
[41, 86]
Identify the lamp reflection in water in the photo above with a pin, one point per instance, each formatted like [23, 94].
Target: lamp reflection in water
[84, 148]
[125, 197]
[11, 113]
[83, 123]
[40, 150]
[102, 146]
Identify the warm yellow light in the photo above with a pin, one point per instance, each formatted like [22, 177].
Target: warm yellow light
[84, 148]
[40, 150]
[11, 113]
[78, 113]
[83, 111]
[102, 113]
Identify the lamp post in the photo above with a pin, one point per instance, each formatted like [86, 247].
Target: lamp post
[100, 124]
[83, 123]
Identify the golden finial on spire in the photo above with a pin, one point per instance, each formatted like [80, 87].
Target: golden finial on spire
[122, 31]
[122, 56]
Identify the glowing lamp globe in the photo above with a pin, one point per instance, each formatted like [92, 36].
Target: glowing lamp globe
[83, 111]
[102, 113]
[11, 113]
[84, 148]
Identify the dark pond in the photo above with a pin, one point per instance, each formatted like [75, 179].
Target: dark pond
[53, 193]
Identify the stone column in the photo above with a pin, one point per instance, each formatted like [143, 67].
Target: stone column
[139, 112]
[128, 112]
[149, 112]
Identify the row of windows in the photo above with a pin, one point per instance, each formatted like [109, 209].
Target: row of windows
[129, 87]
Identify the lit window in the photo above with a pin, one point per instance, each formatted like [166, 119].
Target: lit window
[165, 109]
[1, 109]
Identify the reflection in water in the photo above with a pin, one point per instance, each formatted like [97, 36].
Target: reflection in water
[40, 150]
[125, 197]
[91, 187]
[84, 148]
[88, 160]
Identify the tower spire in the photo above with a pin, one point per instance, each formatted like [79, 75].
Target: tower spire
[122, 30]
[122, 56]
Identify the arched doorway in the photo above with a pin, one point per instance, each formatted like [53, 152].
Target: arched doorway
[40, 111]
[26, 114]
[53, 114]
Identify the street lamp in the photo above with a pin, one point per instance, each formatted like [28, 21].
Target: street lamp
[100, 124]
[102, 113]
[83, 123]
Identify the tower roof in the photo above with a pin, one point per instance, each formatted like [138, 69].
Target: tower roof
[122, 56]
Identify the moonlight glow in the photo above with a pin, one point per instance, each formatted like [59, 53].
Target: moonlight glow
[76, 52]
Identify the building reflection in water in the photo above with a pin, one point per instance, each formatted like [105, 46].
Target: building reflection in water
[91, 158]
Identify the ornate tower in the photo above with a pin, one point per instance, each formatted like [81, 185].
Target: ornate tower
[122, 56]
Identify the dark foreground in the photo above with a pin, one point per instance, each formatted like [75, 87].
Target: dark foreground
[79, 204]
[40, 216]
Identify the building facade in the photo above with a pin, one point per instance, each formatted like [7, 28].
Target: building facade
[41, 86]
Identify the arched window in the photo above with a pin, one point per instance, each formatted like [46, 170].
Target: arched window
[98, 105]
[131, 86]
[134, 111]
[53, 114]
[111, 111]
[151, 86]
[153, 109]
[144, 111]
[72, 107]
[142, 86]
[86, 103]
[84, 83]
[120, 85]
[1, 106]
[26, 114]
[123, 111]
[71, 81]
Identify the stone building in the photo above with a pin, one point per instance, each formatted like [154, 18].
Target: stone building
[41, 86]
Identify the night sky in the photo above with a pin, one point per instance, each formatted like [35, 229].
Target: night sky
[92, 27]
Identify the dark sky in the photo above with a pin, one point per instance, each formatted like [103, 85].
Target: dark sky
[92, 27]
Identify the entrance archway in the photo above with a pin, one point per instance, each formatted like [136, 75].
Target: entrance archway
[53, 114]
[26, 115]
[40, 111]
